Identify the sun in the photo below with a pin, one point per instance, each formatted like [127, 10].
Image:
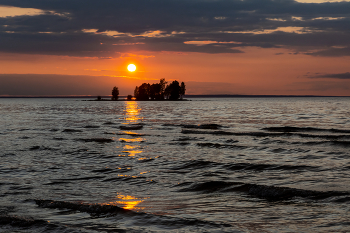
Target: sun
[131, 67]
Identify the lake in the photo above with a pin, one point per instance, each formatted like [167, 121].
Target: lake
[205, 165]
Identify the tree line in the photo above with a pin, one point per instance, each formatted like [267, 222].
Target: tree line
[156, 91]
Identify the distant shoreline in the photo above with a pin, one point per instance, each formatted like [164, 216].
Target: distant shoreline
[109, 100]
[123, 98]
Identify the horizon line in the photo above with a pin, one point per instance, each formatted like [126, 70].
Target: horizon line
[188, 96]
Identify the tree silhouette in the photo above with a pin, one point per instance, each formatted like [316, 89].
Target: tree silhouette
[143, 92]
[115, 93]
[158, 91]
[172, 91]
[136, 92]
[129, 97]
[162, 84]
[182, 89]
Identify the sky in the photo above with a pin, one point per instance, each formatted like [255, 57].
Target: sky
[244, 47]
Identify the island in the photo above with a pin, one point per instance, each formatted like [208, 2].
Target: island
[152, 92]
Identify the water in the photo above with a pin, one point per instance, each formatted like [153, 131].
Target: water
[205, 165]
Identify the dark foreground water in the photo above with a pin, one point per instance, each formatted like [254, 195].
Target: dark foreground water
[206, 165]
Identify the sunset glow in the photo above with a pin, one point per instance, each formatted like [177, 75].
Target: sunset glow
[242, 47]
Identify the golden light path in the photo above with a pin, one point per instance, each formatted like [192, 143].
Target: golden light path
[132, 111]
[128, 202]
[131, 149]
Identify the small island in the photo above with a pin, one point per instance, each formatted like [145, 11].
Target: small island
[155, 92]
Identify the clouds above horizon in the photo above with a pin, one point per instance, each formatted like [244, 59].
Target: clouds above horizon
[105, 27]
[333, 76]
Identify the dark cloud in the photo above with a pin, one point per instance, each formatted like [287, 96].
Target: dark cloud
[333, 76]
[319, 29]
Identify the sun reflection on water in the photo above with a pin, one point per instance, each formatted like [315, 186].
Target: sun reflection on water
[131, 139]
[131, 150]
[129, 202]
[132, 111]
[130, 133]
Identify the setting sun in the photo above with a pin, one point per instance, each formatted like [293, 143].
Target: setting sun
[131, 67]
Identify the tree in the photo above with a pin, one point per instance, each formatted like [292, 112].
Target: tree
[167, 92]
[182, 89]
[162, 84]
[143, 92]
[172, 91]
[155, 92]
[158, 91]
[136, 92]
[115, 93]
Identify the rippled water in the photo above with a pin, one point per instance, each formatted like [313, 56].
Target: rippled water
[205, 165]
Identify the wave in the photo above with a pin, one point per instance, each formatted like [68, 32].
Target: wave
[131, 127]
[91, 127]
[270, 193]
[333, 138]
[218, 145]
[185, 131]
[139, 218]
[330, 137]
[42, 148]
[99, 140]
[221, 132]
[196, 164]
[34, 225]
[94, 209]
[180, 143]
[303, 129]
[129, 134]
[57, 181]
[181, 139]
[72, 131]
[104, 170]
[109, 123]
[334, 143]
[199, 164]
[263, 167]
[20, 221]
[201, 126]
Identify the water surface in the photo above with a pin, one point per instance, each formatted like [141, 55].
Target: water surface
[205, 165]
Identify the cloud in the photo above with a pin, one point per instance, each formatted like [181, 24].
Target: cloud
[333, 76]
[105, 27]
[8, 11]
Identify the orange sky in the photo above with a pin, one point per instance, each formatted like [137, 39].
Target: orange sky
[254, 68]
[256, 72]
